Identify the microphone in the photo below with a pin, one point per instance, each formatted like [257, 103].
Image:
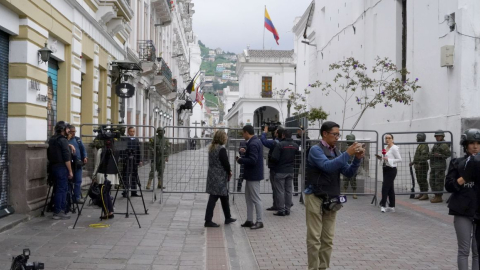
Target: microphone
[384, 152]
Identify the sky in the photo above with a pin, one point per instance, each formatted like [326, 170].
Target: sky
[234, 24]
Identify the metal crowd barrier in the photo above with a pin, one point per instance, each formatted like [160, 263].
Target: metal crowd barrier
[407, 144]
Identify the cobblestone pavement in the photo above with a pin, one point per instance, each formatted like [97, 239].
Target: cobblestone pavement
[415, 237]
[419, 235]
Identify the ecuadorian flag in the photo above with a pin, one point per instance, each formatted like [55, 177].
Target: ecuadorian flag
[270, 27]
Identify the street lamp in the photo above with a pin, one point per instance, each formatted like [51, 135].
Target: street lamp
[44, 54]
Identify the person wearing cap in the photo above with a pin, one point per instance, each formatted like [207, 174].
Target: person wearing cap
[438, 164]
[350, 180]
[420, 163]
[463, 202]
[59, 158]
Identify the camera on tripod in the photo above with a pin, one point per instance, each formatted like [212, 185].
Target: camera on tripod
[272, 125]
[21, 262]
[107, 134]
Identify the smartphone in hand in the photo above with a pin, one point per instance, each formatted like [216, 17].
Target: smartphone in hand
[378, 156]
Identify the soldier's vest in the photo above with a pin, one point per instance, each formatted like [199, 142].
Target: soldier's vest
[438, 162]
[324, 184]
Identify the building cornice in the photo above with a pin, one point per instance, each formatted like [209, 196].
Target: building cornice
[97, 26]
[300, 26]
[240, 101]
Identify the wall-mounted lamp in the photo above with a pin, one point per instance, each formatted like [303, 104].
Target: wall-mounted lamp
[44, 54]
[156, 110]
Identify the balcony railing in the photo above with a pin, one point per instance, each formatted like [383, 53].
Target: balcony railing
[266, 94]
[164, 10]
[146, 50]
[165, 71]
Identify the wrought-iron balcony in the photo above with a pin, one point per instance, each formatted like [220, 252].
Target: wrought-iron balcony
[266, 94]
[146, 51]
[163, 79]
[164, 10]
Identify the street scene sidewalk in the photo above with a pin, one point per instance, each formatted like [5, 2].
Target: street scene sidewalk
[418, 236]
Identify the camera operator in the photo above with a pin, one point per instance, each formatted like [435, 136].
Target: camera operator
[270, 144]
[79, 161]
[298, 157]
[133, 145]
[325, 163]
[283, 157]
[58, 154]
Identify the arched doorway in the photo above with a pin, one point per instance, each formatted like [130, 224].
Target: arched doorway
[265, 114]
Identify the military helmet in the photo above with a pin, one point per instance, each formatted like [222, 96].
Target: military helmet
[470, 135]
[439, 133]
[160, 131]
[350, 139]
[421, 137]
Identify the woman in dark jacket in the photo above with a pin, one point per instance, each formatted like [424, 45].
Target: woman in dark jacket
[219, 174]
[463, 202]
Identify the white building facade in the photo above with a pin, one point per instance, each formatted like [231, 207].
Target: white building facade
[261, 74]
[367, 29]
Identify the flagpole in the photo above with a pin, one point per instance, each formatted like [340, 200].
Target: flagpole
[264, 27]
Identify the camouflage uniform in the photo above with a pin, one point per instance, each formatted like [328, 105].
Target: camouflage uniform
[161, 156]
[352, 180]
[420, 163]
[438, 165]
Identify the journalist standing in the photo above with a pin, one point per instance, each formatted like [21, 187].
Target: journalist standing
[253, 174]
[324, 165]
[390, 161]
[283, 157]
[270, 144]
[301, 135]
[218, 176]
[133, 147]
[58, 154]
[80, 160]
[463, 201]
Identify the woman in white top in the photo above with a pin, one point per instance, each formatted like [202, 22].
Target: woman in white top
[390, 161]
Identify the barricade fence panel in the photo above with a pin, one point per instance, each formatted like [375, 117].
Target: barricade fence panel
[365, 181]
[134, 142]
[236, 141]
[430, 160]
[187, 166]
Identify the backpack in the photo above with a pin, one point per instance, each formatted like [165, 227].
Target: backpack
[95, 194]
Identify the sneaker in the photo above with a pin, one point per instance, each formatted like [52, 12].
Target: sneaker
[391, 209]
[382, 209]
[60, 216]
[80, 201]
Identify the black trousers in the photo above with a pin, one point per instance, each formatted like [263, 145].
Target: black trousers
[389, 175]
[212, 200]
[296, 171]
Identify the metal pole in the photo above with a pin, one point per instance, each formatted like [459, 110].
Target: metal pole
[264, 28]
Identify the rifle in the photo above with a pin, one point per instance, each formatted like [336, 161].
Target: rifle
[412, 196]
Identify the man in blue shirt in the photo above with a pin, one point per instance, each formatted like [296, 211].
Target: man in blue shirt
[325, 163]
[81, 155]
[270, 144]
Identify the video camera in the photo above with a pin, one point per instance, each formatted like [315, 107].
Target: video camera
[21, 262]
[107, 134]
[272, 125]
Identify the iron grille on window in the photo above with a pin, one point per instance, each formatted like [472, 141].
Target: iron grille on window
[146, 50]
[165, 70]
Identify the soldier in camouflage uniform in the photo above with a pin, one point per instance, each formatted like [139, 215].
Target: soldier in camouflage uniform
[438, 164]
[420, 163]
[353, 180]
[161, 158]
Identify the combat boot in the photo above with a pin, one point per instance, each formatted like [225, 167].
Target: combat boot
[418, 196]
[354, 194]
[424, 197]
[437, 199]
[149, 183]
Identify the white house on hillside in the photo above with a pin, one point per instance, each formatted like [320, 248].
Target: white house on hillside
[450, 92]
[261, 73]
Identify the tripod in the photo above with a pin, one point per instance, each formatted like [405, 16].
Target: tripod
[107, 155]
[71, 201]
[130, 177]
